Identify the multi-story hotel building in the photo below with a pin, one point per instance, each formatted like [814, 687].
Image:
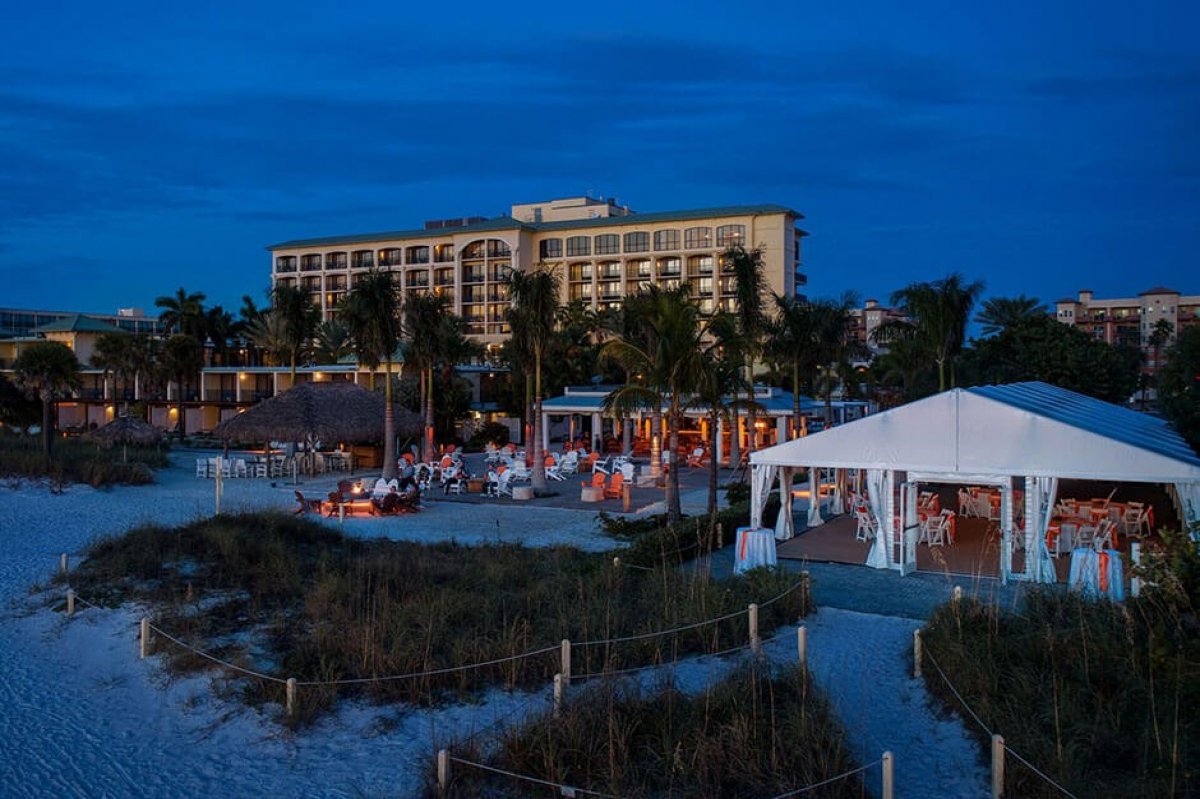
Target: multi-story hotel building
[606, 252]
[867, 319]
[1132, 320]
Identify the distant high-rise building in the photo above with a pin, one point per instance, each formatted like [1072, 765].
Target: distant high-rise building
[1132, 321]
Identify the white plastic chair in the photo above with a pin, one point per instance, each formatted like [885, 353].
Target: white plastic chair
[965, 504]
[939, 528]
[239, 468]
[201, 467]
[1133, 519]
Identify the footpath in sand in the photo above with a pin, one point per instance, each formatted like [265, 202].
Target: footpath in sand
[81, 716]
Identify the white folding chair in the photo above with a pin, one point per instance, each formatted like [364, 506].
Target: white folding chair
[965, 504]
[939, 528]
[239, 468]
[201, 467]
[866, 526]
[1103, 537]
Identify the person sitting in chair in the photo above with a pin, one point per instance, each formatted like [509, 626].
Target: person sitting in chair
[491, 484]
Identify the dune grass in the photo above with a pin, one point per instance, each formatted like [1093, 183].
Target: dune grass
[1103, 697]
[752, 734]
[293, 598]
[77, 461]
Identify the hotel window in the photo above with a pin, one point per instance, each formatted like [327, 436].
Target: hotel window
[579, 272]
[335, 260]
[363, 259]
[669, 267]
[731, 235]
[310, 263]
[416, 278]
[390, 257]
[608, 244]
[666, 240]
[417, 255]
[550, 248]
[637, 242]
[700, 265]
[696, 238]
[498, 249]
[579, 245]
[443, 253]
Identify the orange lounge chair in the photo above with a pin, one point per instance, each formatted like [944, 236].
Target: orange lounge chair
[614, 486]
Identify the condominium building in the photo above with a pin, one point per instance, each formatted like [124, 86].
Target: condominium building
[867, 319]
[1132, 321]
[606, 252]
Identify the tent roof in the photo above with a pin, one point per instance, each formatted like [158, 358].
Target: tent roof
[1019, 429]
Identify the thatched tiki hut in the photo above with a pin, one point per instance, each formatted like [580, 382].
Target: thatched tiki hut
[333, 413]
[126, 430]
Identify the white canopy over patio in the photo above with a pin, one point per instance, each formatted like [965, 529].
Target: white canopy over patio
[990, 435]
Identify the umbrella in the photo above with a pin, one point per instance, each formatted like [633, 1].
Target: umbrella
[329, 411]
[126, 430]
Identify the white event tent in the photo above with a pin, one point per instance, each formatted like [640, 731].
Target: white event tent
[990, 435]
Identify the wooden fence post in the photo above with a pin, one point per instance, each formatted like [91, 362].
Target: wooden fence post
[70, 602]
[291, 695]
[62, 563]
[997, 766]
[145, 637]
[565, 658]
[806, 588]
[917, 654]
[755, 643]
[802, 646]
[889, 779]
[443, 771]
[558, 695]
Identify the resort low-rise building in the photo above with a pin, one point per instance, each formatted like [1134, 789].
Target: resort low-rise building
[606, 252]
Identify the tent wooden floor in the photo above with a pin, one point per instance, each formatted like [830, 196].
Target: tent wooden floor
[975, 552]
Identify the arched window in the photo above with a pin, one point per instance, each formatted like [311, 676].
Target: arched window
[418, 254]
[638, 241]
[731, 235]
[697, 238]
[363, 259]
[608, 244]
[335, 260]
[579, 245]
[550, 248]
[666, 240]
[390, 257]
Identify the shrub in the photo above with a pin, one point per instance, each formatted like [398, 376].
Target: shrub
[492, 432]
[79, 461]
[750, 734]
[1103, 697]
[325, 607]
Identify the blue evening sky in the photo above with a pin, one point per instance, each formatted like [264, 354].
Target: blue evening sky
[1042, 147]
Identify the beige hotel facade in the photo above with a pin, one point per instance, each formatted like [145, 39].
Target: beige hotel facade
[605, 252]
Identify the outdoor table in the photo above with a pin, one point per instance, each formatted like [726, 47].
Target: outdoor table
[755, 548]
[1097, 573]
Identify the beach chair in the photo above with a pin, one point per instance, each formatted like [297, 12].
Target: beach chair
[615, 486]
[239, 468]
[698, 459]
[569, 463]
[597, 481]
[504, 483]
[201, 467]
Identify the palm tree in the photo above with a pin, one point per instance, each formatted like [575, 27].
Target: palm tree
[535, 301]
[835, 348]
[424, 316]
[334, 341]
[668, 356]
[182, 313]
[298, 317]
[267, 333]
[182, 357]
[719, 376]
[117, 355]
[749, 272]
[999, 313]
[939, 311]
[371, 312]
[46, 370]
[789, 342]
[219, 327]
[1161, 332]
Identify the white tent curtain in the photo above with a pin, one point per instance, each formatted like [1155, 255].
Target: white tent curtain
[840, 491]
[784, 526]
[1189, 501]
[1048, 493]
[909, 497]
[814, 497]
[761, 478]
[880, 556]
[1033, 504]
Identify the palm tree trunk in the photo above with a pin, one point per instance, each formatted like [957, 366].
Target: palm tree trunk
[941, 362]
[180, 425]
[538, 479]
[796, 423]
[674, 512]
[656, 432]
[47, 434]
[389, 426]
[713, 466]
[429, 415]
[751, 415]
[293, 372]
[735, 439]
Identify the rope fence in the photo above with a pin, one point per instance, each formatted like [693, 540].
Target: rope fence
[445, 759]
[565, 648]
[998, 747]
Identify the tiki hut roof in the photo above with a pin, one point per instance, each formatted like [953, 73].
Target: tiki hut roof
[126, 430]
[334, 412]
